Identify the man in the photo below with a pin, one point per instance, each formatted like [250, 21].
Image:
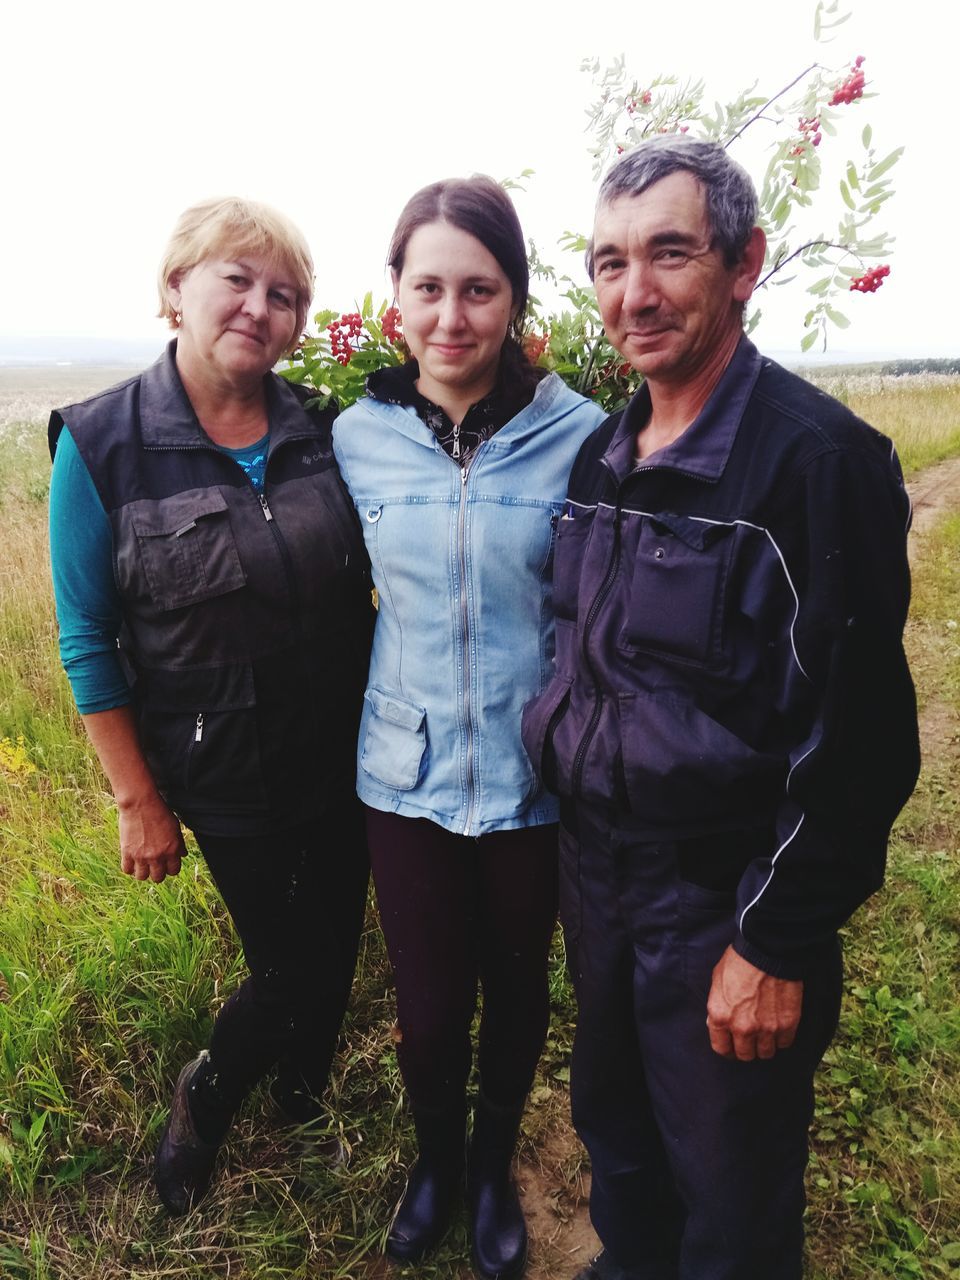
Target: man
[731, 725]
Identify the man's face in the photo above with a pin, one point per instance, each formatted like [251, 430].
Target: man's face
[669, 303]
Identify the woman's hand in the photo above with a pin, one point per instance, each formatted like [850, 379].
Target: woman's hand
[151, 841]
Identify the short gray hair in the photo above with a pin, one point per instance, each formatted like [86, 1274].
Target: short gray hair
[731, 195]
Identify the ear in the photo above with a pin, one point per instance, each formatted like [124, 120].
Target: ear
[750, 265]
[173, 291]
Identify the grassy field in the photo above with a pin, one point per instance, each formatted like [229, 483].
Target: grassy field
[107, 985]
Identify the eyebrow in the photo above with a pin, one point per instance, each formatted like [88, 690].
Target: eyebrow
[658, 240]
[245, 266]
[433, 277]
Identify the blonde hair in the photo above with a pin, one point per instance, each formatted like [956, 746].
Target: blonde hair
[232, 227]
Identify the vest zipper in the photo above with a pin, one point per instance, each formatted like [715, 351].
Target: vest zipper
[267, 513]
[191, 747]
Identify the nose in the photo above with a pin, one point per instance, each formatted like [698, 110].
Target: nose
[451, 313]
[639, 288]
[255, 302]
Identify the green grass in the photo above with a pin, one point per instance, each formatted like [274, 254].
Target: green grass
[107, 985]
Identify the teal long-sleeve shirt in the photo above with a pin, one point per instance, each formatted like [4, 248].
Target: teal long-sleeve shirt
[84, 588]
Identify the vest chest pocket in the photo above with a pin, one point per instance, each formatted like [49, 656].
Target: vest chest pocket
[677, 588]
[186, 547]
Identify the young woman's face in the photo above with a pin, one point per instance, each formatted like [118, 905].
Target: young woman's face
[457, 305]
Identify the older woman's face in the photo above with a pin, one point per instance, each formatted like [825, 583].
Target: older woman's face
[238, 316]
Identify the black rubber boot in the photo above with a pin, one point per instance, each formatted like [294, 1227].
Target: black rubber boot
[184, 1161]
[496, 1219]
[433, 1184]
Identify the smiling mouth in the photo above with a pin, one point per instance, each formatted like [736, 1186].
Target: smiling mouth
[451, 348]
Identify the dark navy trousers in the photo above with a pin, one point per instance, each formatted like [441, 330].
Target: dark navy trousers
[698, 1162]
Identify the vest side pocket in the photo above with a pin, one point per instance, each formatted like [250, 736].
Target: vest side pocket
[395, 740]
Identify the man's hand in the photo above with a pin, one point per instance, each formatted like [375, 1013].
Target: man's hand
[151, 841]
[749, 1013]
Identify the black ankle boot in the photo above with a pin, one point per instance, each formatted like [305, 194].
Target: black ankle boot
[496, 1219]
[433, 1183]
[188, 1148]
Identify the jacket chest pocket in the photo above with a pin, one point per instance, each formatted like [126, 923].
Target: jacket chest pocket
[573, 535]
[678, 587]
[186, 547]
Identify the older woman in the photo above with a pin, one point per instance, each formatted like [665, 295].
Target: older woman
[213, 596]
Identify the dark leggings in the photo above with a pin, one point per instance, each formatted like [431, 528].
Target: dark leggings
[297, 900]
[455, 910]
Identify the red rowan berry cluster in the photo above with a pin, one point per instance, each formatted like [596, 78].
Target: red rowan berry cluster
[809, 133]
[852, 87]
[349, 326]
[391, 325]
[644, 100]
[871, 280]
[534, 347]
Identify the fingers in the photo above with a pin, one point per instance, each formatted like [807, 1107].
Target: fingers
[155, 869]
[744, 1046]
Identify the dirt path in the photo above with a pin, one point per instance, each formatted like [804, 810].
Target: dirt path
[934, 492]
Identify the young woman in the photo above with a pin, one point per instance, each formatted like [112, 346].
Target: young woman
[457, 462]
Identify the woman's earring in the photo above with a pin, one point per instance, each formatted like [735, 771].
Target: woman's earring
[177, 317]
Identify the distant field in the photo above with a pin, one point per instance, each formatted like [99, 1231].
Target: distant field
[28, 394]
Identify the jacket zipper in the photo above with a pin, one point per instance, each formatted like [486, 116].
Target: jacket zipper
[595, 606]
[465, 639]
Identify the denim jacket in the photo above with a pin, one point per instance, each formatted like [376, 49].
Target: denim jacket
[462, 560]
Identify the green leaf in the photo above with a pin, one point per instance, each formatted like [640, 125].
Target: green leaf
[838, 318]
[367, 309]
[852, 176]
[847, 197]
[887, 163]
[808, 340]
[867, 136]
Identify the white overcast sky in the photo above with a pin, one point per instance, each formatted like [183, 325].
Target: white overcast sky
[116, 116]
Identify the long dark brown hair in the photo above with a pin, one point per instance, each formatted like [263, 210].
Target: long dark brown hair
[482, 208]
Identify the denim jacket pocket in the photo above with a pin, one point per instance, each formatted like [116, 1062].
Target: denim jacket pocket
[187, 547]
[677, 589]
[395, 741]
